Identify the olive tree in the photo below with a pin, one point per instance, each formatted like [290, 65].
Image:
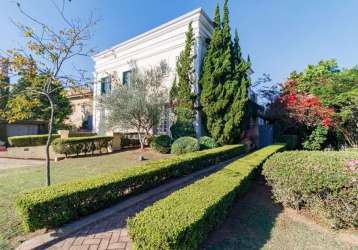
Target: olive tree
[139, 104]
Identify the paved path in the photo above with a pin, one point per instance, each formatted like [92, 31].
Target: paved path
[110, 233]
[17, 163]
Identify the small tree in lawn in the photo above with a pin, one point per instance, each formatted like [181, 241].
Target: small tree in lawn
[46, 54]
[139, 104]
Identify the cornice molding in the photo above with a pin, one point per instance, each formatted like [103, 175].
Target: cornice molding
[195, 15]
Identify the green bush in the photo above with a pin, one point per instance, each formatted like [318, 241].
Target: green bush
[39, 140]
[316, 140]
[183, 219]
[181, 129]
[185, 145]
[207, 142]
[324, 183]
[61, 203]
[183, 125]
[161, 144]
[30, 140]
[81, 145]
[290, 140]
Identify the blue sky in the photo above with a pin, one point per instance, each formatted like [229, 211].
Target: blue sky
[280, 35]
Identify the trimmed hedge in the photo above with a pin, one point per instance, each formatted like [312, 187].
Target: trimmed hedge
[129, 142]
[161, 144]
[61, 203]
[183, 219]
[323, 183]
[39, 140]
[82, 134]
[30, 140]
[78, 145]
[185, 145]
[207, 142]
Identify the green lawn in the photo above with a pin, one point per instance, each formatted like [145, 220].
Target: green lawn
[255, 222]
[16, 180]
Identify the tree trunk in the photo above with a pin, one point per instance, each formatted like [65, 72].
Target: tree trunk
[141, 141]
[48, 143]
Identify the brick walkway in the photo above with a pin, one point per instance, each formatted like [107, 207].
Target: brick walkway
[111, 233]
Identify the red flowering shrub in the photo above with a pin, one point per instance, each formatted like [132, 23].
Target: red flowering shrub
[306, 109]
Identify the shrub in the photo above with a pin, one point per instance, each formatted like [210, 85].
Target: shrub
[182, 128]
[78, 145]
[207, 142]
[161, 144]
[290, 140]
[183, 219]
[183, 125]
[61, 203]
[30, 140]
[185, 145]
[316, 140]
[324, 183]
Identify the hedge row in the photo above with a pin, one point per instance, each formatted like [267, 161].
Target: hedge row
[324, 183]
[78, 145]
[30, 140]
[183, 219]
[58, 204]
[39, 140]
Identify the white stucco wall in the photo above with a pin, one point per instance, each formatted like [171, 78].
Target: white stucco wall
[148, 49]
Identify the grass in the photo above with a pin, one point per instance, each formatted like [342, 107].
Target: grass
[255, 222]
[15, 180]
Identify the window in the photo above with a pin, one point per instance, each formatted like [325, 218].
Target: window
[126, 77]
[164, 124]
[84, 108]
[106, 85]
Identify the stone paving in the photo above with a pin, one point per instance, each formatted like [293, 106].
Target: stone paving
[111, 233]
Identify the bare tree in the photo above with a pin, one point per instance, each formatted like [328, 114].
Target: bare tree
[139, 104]
[47, 52]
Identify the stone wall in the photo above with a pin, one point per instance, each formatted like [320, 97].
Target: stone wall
[37, 153]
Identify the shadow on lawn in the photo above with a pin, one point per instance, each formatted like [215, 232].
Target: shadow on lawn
[249, 223]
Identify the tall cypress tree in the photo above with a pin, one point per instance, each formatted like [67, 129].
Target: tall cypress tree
[212, 80]
[238, 112]
[185, 71]
[223, 82]
[182, 95]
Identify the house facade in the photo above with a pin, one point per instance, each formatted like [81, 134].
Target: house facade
[81, 100]
[162, 43]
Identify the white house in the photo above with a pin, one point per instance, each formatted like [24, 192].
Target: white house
[148, 49]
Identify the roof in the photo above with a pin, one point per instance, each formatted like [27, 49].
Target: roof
[152, 31]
